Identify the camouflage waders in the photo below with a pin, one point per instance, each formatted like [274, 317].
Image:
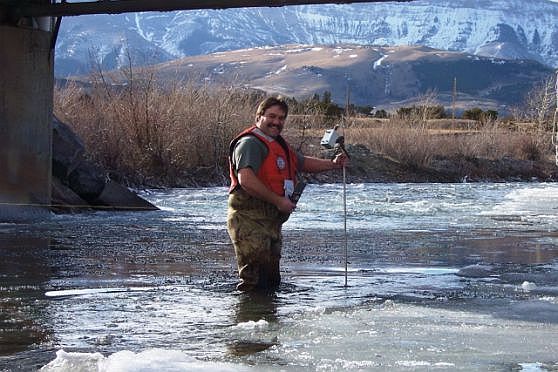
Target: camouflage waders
[255, 230]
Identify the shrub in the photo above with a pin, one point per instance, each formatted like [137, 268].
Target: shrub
[381, 114]
[473, 114]
[155, 135]
[417, 147]
[150, 134]
[478, 114]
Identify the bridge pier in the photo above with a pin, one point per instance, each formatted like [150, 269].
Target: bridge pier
[26, 96]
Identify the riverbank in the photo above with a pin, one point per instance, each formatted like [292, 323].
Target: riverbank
[82, 180]
[370, 167]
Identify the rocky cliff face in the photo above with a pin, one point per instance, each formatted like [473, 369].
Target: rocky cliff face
[512, 29]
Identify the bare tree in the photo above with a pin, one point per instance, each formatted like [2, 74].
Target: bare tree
[540, 102]
[426, 106]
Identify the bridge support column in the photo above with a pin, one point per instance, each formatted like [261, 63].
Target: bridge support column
[26, 95]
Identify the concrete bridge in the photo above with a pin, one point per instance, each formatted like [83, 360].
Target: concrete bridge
[28, 32]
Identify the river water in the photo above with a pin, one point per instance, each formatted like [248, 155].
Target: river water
[440, 277]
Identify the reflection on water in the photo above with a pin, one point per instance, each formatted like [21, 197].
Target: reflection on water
[438, 276]
[24, 269]
[255, 306]
[254, 311]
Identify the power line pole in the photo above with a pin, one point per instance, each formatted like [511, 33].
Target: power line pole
[454, 97]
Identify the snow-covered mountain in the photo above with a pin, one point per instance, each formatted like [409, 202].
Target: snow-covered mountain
[511, 29]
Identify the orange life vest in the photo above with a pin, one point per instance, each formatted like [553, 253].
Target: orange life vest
[279, 165]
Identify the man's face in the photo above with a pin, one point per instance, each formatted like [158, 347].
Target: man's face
[272, 121]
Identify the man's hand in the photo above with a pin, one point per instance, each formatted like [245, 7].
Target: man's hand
[285, 205]
[253, 186]
[314, 165]
[341, 160]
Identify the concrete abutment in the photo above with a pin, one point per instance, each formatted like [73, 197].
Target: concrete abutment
[26, 95]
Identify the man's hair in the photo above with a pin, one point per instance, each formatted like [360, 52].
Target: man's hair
[272, 101]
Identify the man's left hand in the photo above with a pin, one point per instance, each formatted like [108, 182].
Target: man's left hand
[341, 160]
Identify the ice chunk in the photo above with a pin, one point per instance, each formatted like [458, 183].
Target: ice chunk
[528, 286]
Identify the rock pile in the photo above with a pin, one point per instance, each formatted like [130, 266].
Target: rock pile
[78, 184]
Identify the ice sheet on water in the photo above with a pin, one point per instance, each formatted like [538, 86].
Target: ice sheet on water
[535, 203]
[476, 271]
[419, 270]
[528, 286]
[128, 361]
[421, 363]
[93, 291]
[398, 336]
[532, 367]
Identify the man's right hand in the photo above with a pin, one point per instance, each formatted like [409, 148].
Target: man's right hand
[253, 186]
[285, 205]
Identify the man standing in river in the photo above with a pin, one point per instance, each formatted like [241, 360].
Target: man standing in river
[263, 172]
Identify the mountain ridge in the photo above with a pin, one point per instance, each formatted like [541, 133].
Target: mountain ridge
[511, 29]
[383, 77]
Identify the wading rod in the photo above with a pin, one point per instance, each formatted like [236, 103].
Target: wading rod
[340, 149]
[345, 186]
[345, 218]
[332, 139]
[555, 125]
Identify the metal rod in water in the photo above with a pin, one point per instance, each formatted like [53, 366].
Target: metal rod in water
[555, 125]
[345, 185]
[345, 218]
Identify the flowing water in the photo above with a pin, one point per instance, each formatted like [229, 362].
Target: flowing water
[440, 277]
